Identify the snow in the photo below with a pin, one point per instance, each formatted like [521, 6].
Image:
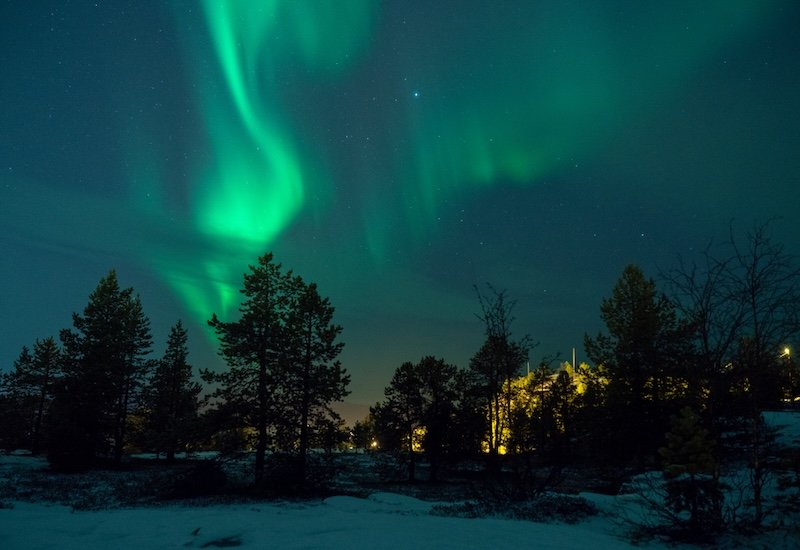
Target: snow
[383, 520]
[788, 425]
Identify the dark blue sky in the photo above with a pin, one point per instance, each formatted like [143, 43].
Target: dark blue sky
[397, 153]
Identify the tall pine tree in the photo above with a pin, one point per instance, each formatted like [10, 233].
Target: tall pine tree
[105, 367]
[30, 387]
[172, 396]
[313, 377]
[403, 410]
[253, 347]
[281, 357]
[641, 351]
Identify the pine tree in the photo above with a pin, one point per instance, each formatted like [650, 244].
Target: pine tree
[172, 395]
[362, 435]
[281, 353]
[18, 403]
[495, 365]
[406, 406]
[313, 378]
[467, 431]
[439, 396]
[40, 379]
[560, 401]
[692, 475]
[253, 347]
[418, 412]
[30, 386]
[105, 367]
[641, 351]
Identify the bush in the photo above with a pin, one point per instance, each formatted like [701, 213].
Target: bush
[206, 478]
[546, 508]
[283, 475]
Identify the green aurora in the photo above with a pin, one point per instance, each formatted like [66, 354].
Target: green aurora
[510, 104]
[395, 152]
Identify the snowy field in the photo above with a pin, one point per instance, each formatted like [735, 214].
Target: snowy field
[382, 520]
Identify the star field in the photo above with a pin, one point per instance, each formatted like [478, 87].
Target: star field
[397, 153]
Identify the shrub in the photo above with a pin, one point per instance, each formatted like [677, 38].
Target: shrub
[206, 478]
[546, 508]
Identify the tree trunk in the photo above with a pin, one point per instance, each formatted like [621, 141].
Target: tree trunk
[37, 430]
[122, 417]
[304, 412]
[412, 466]
[261, 423]
[172, 414]
[757, 472]
[304, 437]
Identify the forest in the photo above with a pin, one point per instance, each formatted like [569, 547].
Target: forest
[677, 386]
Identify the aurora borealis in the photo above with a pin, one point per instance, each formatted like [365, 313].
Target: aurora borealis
[396, 152]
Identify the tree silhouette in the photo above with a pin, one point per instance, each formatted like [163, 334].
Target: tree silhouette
[403, 410]
[172, 396]
[691, 473]
[30, 386]
[104, 371]
[439, 395]
[313, 378]
[495, 365]
[641, 352]
[742, 302]
[281, 357]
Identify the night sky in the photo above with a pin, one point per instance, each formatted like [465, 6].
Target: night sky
[397, 153]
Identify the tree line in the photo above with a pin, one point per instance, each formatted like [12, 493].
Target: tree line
[679, 381]
[97, 394]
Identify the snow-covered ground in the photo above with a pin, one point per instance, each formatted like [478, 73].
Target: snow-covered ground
[383, 520]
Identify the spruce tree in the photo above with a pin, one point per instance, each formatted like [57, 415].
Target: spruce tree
[313, 377]
[105, 367]
[253, 347]
[20, 402]
[40, 379]
[439, 395]
[172, 396]
[403, 410]
[691, 473]
[281, 354]
[418, 412]
[641, 352]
